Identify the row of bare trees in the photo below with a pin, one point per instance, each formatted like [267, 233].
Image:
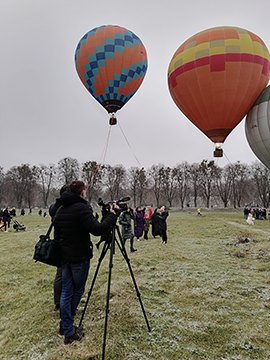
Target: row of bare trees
[192, 185]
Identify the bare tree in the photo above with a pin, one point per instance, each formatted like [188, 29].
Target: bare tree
[224, 183]
[92, 175]
[169, 184]
[69, 170]
[113, 179]
[239, 177]
[138, 181]
[45, 175]
[261, 176]
[23, 181]
[208, 172]
[194, 177]
[182, 178]
[157, 177]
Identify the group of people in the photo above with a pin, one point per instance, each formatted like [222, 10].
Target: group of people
[6, 215]
[142, 218]
[74, 220]
[44, 214]
[258, 213]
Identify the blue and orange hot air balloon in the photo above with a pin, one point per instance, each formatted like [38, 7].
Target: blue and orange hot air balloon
[111, 62]
[215, 77]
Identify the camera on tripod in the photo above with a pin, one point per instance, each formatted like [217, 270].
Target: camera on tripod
[122, 203]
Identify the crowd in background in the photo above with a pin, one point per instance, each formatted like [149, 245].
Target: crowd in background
[259, 213]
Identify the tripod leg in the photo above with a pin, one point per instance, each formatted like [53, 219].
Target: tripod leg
[102, 255]
[125, 255]
[112, 248]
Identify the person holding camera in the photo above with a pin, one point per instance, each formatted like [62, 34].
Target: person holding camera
[162, 214]
[125, 220]
[73, 223]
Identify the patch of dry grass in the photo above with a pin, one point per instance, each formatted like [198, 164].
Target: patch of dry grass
[203, 301]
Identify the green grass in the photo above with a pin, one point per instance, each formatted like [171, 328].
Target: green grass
[206, 295]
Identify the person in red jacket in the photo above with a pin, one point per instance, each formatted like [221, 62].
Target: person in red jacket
[73, 223]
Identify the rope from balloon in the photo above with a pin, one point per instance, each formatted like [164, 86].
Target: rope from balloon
[227, 158]
[130, 146]
[104, 153]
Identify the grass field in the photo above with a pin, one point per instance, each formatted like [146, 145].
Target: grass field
[206, 295]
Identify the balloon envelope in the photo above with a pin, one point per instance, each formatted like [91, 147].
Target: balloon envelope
[215, 77]
[111, 62]
[257, 127]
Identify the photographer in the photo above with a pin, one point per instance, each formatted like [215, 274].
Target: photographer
[125, 219]
[162, 214]
[73, 223]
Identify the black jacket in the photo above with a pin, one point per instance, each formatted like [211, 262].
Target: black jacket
[54, 207]
[161, 220]
[73, 223]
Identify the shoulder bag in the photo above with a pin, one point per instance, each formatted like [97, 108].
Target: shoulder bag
[47, 250]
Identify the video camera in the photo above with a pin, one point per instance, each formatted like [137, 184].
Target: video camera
[122, 203]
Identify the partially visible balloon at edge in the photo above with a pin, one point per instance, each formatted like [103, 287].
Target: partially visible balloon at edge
[257, 127]
[111, 62]
[215, 76]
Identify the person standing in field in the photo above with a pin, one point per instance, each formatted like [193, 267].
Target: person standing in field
[6, 218]
[57, 283]
[73, 223]
[154, 224]
[125, 220]
[138, 223]
[162, 215]
[146, 222]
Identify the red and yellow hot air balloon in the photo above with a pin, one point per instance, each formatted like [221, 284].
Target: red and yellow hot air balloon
[215, 77]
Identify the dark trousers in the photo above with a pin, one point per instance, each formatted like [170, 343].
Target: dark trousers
[74, 277]
[57, 286]
[6, 223]
[163, 234]
[131, 242]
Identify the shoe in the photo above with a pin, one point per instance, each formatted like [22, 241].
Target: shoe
[77, 336]
[132, 250]
[77, 329]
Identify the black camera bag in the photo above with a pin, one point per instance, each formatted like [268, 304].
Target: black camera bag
[47, 250]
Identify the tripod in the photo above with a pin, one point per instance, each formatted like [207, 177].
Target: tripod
[110, 245]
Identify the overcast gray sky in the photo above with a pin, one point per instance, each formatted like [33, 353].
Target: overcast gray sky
[46, 114]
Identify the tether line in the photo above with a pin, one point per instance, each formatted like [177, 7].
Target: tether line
[130, 146]
[227, 157]
[104, 153]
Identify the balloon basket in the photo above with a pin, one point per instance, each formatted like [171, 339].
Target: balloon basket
[218, 152]
[113, 120]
